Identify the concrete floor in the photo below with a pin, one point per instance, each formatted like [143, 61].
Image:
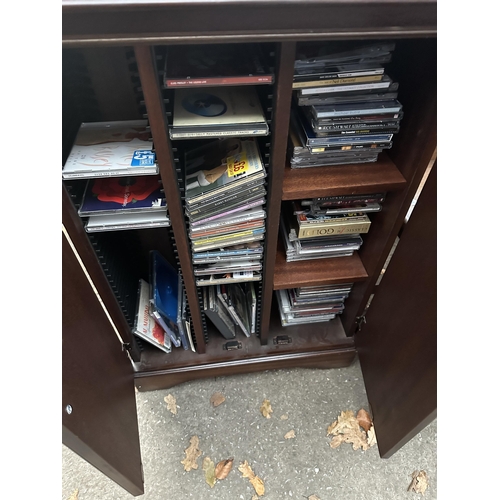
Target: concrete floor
[291, 469]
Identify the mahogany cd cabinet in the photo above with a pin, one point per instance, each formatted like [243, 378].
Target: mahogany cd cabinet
[112, 70]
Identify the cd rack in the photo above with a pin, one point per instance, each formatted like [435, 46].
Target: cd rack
[266, 96]
[114, 262]
[143, 111]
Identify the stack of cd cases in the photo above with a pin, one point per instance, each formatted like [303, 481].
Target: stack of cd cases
[225, 194]
[161, 318]
[326, 227]
[314, 304]
[346, 109]
[231, 308]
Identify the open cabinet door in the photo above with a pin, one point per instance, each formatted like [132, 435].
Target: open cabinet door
[398, 344]
[99, 420]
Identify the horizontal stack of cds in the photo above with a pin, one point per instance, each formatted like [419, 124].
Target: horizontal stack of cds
[118, 203]
[312, 304]
[326, 227]
[346, 109]
[122, 189]
[225, 194]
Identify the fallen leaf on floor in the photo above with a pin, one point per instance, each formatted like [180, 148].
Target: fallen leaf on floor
[290, 434]
[217, 399]
[284, 417]
[171, 404]
[313, 497]
[74, 495]
[209, 470]
[372, 439]
[192, 454]
[419, 482]
[364, 419]
[265, 408]
[255, 481]
[347, 429]
[223, 468]
[255, 497]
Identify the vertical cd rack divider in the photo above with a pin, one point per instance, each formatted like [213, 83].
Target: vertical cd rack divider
[148, 67]
[178, 152]
[115, 261]
[178, 155]
[159, 62]
[282, 99]
[266, 95]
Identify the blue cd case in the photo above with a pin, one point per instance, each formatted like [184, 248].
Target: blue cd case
[164, 281]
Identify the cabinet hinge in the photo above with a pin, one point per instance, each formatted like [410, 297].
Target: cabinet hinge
[360, 321]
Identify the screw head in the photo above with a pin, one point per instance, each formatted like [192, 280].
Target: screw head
[69, 409]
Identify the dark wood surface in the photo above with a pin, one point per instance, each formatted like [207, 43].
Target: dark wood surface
[322, 345]
[316, 272]
[72, 223]
[113, 22]
[381, 176]
[279, 140]
[159, 131]
[413, 151]
[398, 345]
[97, 382]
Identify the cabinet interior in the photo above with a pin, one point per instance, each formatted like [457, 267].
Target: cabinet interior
[103, 84]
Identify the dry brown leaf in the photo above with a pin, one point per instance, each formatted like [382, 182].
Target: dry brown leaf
[256, 481]
[192, 454]
[223, 468]
[284, 417]
[313, 497]
[337, 441]
[209, 470]
[258, 485]
[255, 497]
[217, 399]
[171, 404]
[265, 408]
[74, 495]
[346, 429]
[419, 482]
[357, 439]
[290, 434]
[364, 419]
[372, 439]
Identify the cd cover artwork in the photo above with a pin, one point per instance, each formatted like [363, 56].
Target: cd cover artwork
[123, 194]
[217, 106]
[111, 149]
[204, 104]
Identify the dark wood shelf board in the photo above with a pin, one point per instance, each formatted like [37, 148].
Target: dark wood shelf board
[381, 176]
[318, 344]
[316, 272]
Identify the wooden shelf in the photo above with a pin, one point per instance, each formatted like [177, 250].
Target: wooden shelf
[381, 176]
[316, 272]
[315, 345]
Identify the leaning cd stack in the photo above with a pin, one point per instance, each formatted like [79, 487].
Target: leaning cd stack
[346, 109]
[315, 304]
[326, 227]
[225, 194]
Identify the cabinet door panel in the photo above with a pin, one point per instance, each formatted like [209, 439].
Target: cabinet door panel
[99, 420]
[398, 345]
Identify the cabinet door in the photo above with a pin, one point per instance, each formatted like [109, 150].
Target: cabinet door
[398, 344]
[99, 420]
